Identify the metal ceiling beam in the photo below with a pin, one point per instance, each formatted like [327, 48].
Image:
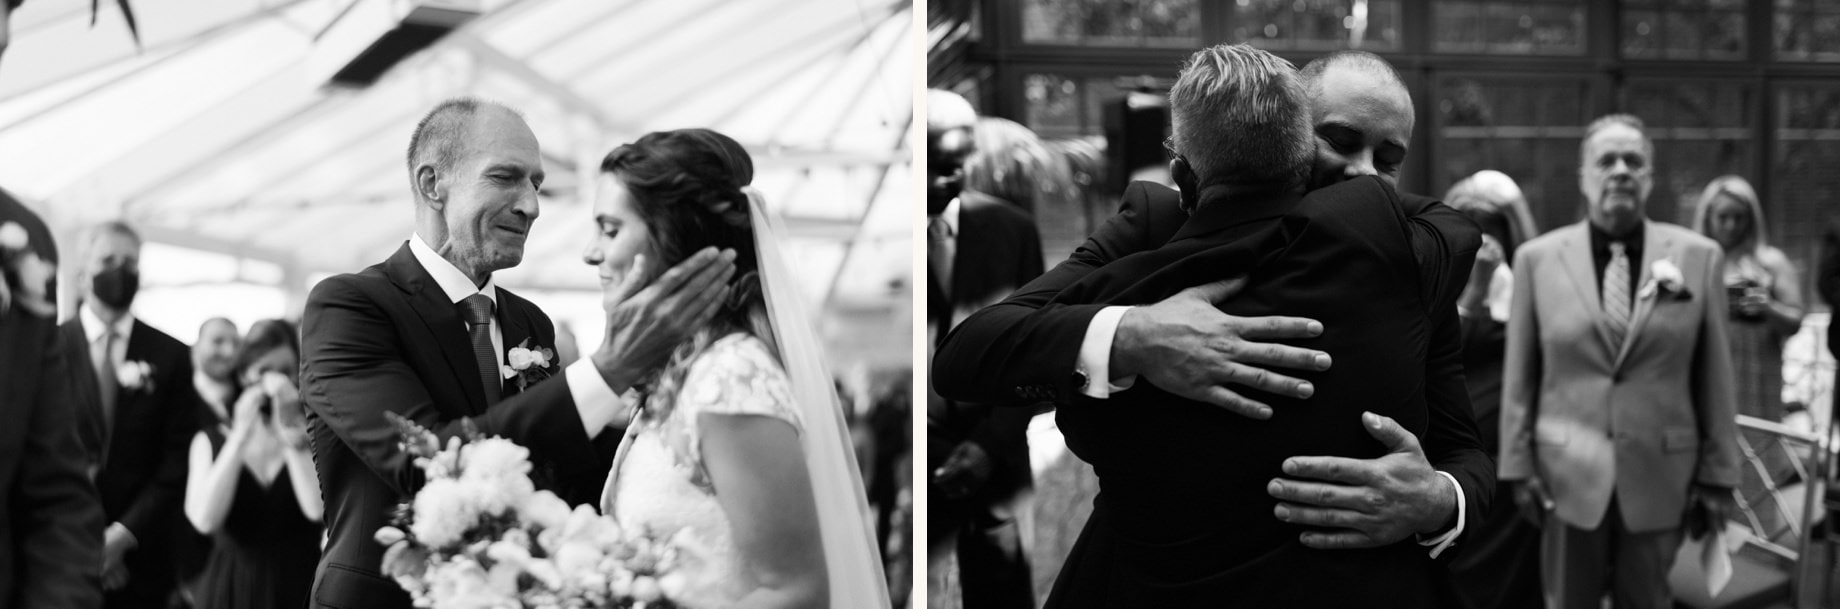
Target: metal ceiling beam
[496, 59]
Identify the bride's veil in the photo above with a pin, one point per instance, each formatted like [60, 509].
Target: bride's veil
[850, 551]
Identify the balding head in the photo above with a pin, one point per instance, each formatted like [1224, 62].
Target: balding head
[476, 168]
[1361, 114]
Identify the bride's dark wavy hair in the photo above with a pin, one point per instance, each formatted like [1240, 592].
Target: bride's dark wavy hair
[687, 186]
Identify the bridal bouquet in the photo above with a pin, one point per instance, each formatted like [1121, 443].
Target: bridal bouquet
[480, 536]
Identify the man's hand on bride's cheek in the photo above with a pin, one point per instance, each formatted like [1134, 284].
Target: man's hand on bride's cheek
[1369, 502]
[645, 321]
[1187, 346]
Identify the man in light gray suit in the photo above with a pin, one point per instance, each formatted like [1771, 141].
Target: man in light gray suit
[1617, 401]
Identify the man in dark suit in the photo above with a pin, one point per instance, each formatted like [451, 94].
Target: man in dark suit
[50, 517]
[979, 248]
[424, 334]
[139, 422]
[1185, 344]
[1182, 515]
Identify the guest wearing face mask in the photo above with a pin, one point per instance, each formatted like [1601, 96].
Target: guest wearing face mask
[137, 412]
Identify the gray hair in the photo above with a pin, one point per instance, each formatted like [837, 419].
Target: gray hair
[440, 135]
[1238, 115]
[1608, 120]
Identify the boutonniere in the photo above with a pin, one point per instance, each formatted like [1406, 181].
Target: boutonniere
[527, 364]
[1666, 281]
[135, 376]
[26, 278]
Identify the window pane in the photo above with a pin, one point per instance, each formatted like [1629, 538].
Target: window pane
[1550, 27]
[1701, 131]
[1808, 30]
[1057, 106]
[1153, 23]
[1802, 191]
[1702, 29]
[1526, 128]
[1317, 25]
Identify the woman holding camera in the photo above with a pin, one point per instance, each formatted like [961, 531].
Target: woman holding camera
[253, 488]
[1765, 292]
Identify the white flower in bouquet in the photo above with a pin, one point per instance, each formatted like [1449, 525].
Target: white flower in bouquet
[445, 509]
[495, 459]
[543, 509]
[580, 564]
[645, 589]
[462, 583]
[496, 497]
[673, 584]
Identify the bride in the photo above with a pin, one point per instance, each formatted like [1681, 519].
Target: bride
[740, 439]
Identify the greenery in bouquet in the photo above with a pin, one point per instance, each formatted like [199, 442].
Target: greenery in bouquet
[479, 535]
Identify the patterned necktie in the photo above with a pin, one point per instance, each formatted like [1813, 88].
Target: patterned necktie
[477, 311]
[1616, 294]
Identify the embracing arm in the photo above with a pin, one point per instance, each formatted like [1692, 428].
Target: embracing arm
[1024, 340]
[352, 372]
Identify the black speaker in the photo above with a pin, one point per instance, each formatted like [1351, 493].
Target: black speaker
[1135, 127]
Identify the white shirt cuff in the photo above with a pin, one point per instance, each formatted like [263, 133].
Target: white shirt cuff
[598, 405]
[1096, 355]
[1449, 538]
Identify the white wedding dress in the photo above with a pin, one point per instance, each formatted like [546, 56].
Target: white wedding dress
[659, 483]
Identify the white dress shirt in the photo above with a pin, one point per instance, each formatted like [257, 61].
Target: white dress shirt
[598, 405]
[1095, 361]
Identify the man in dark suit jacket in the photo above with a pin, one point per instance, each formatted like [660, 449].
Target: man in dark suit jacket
[425, 333]
[50, 517]
[136, 401]
[980, 248]
[1181, 519]
[1026, 344]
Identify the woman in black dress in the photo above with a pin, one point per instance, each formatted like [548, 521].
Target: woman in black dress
[1499, 567]
[252, 486]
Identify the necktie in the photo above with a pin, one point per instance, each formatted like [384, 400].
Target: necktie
[1616, 294]
[477, 311]
[102, 354]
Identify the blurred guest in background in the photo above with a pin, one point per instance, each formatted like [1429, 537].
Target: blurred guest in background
[140, 414]
[891, 488]
[1010, 163]
[1500, 565]
[979, 249]
[1764, 290]
[213, 378]
[50, 518]
[253, 488]
[1617, 413]
[1827, 282]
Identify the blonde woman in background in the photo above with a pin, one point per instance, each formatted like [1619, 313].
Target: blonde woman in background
[1764, 289]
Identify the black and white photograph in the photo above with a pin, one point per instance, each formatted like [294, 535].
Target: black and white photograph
[456, 303]
[1381, 303]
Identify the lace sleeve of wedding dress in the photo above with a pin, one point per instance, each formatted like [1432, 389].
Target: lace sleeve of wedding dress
[735, 376]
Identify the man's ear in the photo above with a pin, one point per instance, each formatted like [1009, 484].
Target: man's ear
[429, 187]
[1186, 182]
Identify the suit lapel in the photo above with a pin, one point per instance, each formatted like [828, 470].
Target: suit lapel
[1576, 256]
[1655, 247]
[442, 320]
[514, 326]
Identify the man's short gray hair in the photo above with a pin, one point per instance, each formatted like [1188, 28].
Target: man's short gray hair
[1360, 61]
[1608, 120]
[1238, 115]
[440, 137]
[946, 111]
[112, 227]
